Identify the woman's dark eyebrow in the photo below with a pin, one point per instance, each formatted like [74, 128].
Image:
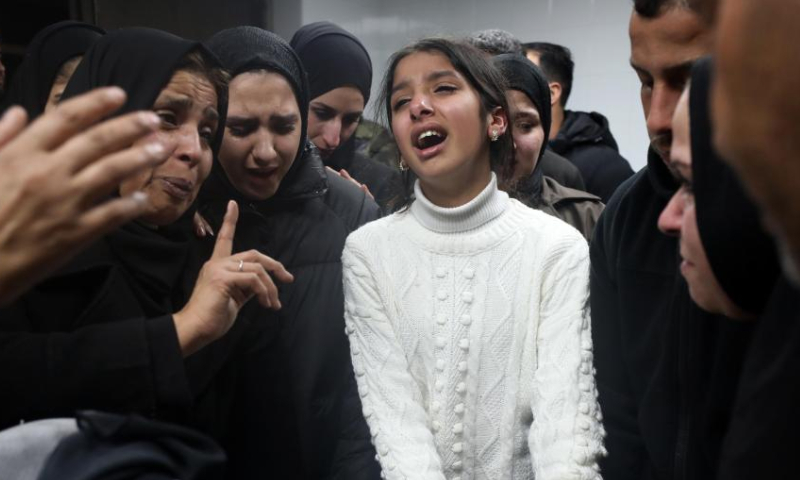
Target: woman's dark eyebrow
[322, 106]
[179, 102]
[523, 114]
[174, 102]
[287, 118]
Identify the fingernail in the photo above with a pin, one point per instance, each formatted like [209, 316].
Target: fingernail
[154, 149]
[149, 119]
[115, 94]
[139, 197]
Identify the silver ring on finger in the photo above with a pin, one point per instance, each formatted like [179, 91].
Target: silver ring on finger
[241, 265]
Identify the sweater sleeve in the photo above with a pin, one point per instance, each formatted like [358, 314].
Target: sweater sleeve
[566, 437]
[390, 397]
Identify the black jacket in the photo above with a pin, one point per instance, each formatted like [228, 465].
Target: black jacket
[762, 438]
[297, 410]
[384, 182]
[586, 141]
[665, 370]
[561, 170]
[633, 273]
[91, 337]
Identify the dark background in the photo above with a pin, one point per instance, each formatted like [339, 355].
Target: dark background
[194, 19]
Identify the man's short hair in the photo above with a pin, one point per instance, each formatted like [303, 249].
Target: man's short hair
[557, 65]
[495, 42]
[654, 8]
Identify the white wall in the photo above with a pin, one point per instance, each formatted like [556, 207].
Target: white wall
[595, 30]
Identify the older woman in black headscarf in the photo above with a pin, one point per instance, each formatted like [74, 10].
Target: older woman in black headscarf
[529, 101]
[728, 269]
[50, 60]
[340, 78]
[111, 329]
[300, 411]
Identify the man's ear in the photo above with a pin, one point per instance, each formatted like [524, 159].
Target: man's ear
[555, 93]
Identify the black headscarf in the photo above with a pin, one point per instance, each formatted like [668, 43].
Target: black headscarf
[333, 58]
[142, 61]
[47, 52]
[741, 254]
[244, 49]
[521, 74]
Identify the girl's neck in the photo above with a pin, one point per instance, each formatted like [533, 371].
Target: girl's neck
[457, 190]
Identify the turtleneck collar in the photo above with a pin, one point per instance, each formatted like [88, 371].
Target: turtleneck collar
[485, 207]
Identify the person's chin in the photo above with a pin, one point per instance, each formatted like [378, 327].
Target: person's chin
[260, 191]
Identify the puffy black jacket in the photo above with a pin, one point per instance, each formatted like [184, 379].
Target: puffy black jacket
[384, 182]
[586, 141]
[297, 413]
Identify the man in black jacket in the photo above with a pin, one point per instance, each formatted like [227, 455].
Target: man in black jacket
[583, 138]
[634, 266]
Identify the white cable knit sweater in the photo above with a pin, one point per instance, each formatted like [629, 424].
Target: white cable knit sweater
[469, 334]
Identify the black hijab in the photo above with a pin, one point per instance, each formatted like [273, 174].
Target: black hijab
[244, 49]
[142, 61]
[47, 52]
[741, 254]
[521, 74]
[333, 58]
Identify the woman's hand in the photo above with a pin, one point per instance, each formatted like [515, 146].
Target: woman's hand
[346, 175]
[226, 282]
[201, 226]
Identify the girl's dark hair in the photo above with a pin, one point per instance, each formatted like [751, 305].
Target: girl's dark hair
[478, 70]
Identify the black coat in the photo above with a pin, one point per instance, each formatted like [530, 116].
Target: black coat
[633, 273]
[561, 170]
[384, 182]
[297, 412]
[665, 369]
[91, 337]
[762, 438]
[586, 141]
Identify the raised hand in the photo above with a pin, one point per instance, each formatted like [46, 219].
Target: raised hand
[57, 178]
[226, 282]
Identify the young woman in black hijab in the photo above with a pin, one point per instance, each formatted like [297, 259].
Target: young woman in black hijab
[729, 267]
[529, 100]
[50, 59]
[300, 414]
[111, 329]
[340, 77]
